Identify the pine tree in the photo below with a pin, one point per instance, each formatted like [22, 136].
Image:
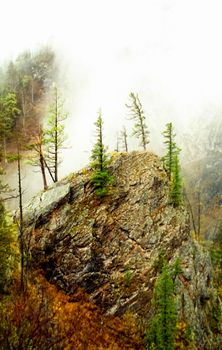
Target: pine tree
[8, 113]
[140, 129]
[172, 166]
[176, 182]
[100, 162]
[54, 134]
[171, 148]
[161, 333]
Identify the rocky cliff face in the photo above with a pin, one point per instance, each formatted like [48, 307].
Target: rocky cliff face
[111, 246]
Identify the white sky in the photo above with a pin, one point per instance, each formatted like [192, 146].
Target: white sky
[169, 51]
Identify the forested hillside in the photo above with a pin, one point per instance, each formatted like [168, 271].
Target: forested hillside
[113, 256]
[24, 87]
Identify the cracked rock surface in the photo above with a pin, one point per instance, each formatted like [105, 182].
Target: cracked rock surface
[111, 246]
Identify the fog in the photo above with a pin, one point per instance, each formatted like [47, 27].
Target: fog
[167, 51]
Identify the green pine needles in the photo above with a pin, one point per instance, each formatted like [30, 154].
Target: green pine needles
[171, 149]
[176, 182]
[162, 330]
[172, 166]
[8, 112]
[100, 161]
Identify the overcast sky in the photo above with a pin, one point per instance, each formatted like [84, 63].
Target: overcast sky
[168, 51]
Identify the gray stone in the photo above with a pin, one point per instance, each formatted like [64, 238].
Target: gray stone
[41, 205]
[94, 242]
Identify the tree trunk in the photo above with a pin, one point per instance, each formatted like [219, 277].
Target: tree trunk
[42, 166]
[21, 225]
[198, 213]
[4, 149]
[56, 138]
[23, 112]
[101, 147]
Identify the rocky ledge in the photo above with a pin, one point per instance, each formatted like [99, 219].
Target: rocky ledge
[111, 246]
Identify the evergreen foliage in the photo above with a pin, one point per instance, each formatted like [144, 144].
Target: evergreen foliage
[161, 334]
[8, 112]
[29, 78]
[171, 148]
[172, 166]
[140, 129]
[100, 161]
[176, 182]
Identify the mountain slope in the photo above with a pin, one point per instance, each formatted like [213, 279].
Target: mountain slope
[112, 247]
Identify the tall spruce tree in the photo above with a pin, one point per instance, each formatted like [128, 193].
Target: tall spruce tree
[161, 333]
[137, 114]
[171, 148]
[172, 166]
[100, 161]
[176, 182]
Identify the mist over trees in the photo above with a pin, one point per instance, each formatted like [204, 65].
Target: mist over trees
[24, 85]
[32, 126]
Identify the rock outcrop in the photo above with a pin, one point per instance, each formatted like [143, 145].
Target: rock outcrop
[111, 246]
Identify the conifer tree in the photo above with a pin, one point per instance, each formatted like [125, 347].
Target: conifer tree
[176, 182]
[172, 166]
[140, 129]
[54, 134]
[8, 113]
[161, 333]
[171, 148]
[100, 161]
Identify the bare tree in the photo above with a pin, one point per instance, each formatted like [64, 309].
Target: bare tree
[54, 134]
[140, 129]
[21, 222]
[37, 158]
